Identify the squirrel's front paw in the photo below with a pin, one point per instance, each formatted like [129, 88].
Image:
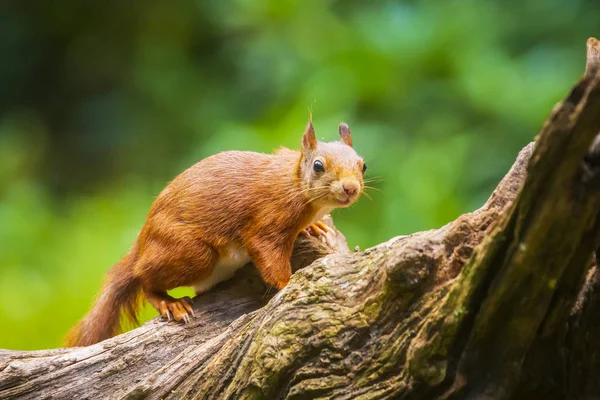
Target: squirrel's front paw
[317, 229]
[178, 309]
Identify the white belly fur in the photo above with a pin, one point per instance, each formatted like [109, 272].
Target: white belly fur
[234, 257]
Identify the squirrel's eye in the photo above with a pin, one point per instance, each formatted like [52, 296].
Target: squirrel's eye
[318, 166]
[364, 168]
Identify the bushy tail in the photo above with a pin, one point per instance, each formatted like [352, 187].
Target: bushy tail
[120, 296]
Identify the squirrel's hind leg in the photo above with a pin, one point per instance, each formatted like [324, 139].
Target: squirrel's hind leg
[165, 267]
[170, 308]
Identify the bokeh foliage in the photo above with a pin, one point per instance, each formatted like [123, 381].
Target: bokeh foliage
[101, 103]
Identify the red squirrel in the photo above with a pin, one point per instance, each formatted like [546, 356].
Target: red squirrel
[223, 212]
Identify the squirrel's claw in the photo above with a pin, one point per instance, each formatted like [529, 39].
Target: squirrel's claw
[317, 229]
[179, 310]
[164, 310]
[187, 304]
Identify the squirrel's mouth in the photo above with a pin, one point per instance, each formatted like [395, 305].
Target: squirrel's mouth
[345, 201]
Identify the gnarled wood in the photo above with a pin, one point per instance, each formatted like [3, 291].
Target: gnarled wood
[501, 303]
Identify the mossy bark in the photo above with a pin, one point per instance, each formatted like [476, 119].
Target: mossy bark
[503, 303]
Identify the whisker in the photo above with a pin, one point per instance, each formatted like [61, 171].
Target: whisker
[310, 200]
[267, 292]
[322, 196]
[315, 188]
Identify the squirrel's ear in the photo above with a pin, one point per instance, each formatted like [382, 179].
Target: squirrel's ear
[309, 140]
[345, 134]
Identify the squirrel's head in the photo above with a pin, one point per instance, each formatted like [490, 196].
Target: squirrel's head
[332, 173]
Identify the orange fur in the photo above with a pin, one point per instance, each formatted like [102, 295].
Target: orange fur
[120, 295]
[259, 202]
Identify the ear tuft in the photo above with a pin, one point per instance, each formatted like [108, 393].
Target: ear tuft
[309, 140]
[345, 134]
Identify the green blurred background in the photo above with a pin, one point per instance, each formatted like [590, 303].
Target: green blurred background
[103, 102]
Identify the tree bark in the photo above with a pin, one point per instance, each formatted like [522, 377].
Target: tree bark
[502, 303]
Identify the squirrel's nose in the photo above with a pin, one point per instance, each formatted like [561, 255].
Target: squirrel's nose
[350, 188]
